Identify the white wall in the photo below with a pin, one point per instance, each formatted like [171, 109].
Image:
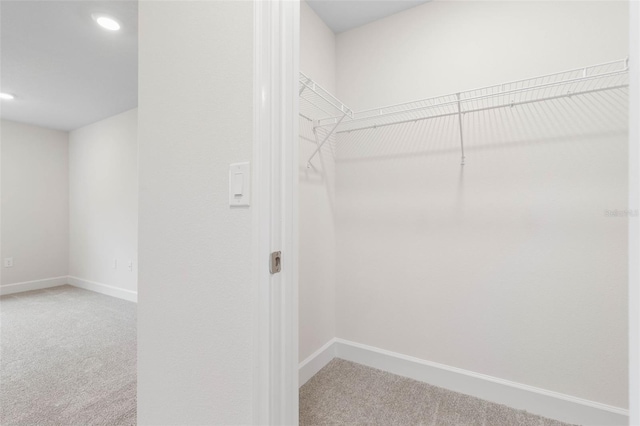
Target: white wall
[317, 48]
[449, 46]
[317, 197]
[103, 201]
[195, 310]
[507, 267]
[35, 202]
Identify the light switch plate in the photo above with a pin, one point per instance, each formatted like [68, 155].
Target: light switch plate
[240, 184]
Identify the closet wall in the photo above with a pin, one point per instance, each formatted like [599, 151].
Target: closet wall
[317, 197]
[510, 266]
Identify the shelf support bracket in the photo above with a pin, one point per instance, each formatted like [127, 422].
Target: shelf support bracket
[326, 138]
[460, 126]
[304, 86]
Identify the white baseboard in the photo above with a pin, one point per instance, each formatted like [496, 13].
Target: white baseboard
[33, 285]
[120, 293]
[316, 361]
[538, 401]
[109, 290]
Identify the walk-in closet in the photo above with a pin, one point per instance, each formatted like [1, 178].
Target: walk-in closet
[463, 212]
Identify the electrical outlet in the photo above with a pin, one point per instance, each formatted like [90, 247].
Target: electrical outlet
[130, 266]
[115, 263]
[8, 262]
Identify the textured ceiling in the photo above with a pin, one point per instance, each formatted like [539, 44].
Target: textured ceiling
[343, 15]
[66, 71]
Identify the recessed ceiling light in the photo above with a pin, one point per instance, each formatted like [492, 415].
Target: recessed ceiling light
[106, 22]
[6, 96]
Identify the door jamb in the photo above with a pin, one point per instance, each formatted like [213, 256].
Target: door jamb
[275, 210]
[634, 225]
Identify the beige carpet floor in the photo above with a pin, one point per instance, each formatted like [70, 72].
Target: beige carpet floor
[346, 393]
[68, 357]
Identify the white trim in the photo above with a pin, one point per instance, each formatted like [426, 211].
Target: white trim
[543, 402]
[316, 362]
[634, 203]
[261, 220]
[109, 290]
[290, 175]
[33, 285]
[274, 211]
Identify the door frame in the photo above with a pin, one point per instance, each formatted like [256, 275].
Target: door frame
[634, 204]
[275, 210]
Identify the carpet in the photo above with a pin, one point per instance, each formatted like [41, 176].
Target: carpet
[347, 393]
[67, 357]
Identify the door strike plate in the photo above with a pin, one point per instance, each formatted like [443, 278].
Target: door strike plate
[276, 262]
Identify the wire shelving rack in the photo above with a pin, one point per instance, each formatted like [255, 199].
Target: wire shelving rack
[317, 103]
[566, 84]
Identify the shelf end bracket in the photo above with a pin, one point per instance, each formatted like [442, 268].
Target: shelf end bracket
[326, 138]
[460, 126]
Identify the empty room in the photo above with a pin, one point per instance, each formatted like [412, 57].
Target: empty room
[69, 213]
[319, 212]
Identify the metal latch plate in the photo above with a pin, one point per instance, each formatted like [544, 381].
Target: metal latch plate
[276, 262]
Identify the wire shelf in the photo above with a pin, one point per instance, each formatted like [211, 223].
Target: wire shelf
[606, 76]
[331, 116]
[316, 103]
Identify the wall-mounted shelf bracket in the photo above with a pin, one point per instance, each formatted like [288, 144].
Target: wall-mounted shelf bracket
[322, 109]
[325, 139]
[460, 125]
[303, 84]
